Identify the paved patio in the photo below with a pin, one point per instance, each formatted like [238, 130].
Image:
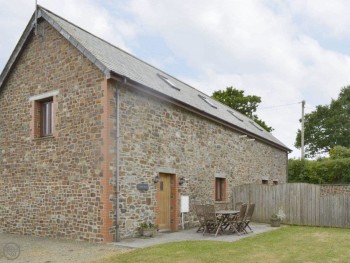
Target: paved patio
[44, 250]
[190, 234]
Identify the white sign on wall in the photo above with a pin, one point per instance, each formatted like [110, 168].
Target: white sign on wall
[185, 204]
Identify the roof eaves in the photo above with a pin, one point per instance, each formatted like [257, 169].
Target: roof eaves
[76, 43]
[184, 105]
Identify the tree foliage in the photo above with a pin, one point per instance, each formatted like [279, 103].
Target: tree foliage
[328, 126]
[339, 152]
[246, 105]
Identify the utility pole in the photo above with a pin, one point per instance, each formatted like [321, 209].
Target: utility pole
[302, 130]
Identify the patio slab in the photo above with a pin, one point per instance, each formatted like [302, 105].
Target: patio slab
[190, 234]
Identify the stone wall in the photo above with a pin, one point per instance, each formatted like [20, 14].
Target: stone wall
[156, 135]
[52, 187]
[62, 186]
[328, 189]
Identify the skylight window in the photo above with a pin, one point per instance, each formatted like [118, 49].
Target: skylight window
[255, 125]
[207, 101]
[168, 81]
[234, 115]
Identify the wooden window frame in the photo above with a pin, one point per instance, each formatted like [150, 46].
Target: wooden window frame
[40, 127]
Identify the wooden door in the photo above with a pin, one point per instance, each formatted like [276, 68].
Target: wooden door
[164, 202]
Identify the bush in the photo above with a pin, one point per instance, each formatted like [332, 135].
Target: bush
[339, 152]
[325, 171]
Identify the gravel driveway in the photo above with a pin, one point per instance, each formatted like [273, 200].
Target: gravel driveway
[48, 250]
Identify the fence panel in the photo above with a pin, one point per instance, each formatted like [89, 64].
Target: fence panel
[347, 211]
[325, 211]
[302, 204]
[240, 194]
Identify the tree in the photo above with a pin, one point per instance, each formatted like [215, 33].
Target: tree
[339, 152]
[246, 105]
[328, 126]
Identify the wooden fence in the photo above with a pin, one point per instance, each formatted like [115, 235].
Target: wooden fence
[302, 204]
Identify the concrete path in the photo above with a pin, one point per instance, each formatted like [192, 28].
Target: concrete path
[44, 250]
[189, 234]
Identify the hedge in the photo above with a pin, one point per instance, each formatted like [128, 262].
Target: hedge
[325, 171]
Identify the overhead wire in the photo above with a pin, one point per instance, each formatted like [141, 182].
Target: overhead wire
[277, 106]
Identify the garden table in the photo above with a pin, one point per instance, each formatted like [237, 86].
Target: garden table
[226, 217]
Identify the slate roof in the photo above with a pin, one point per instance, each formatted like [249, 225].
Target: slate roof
[113, 60]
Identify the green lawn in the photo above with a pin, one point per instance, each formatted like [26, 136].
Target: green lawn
[288, 244]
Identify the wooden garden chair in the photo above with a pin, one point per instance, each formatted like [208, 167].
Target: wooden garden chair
[238, 205]
[233, 223]
[248, 218]
[236, 222]
[212, 222]
[241, 217]
[200, 210]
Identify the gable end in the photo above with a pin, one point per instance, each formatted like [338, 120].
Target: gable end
[30, 30]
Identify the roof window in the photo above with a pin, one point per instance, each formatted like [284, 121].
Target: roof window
[168, 81]
[256, 126]
[207, 101]
[234, 115]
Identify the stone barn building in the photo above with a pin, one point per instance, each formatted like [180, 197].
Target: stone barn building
[94, 141]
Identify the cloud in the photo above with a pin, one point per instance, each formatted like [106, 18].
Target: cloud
[95, 18]
[330, 17]
[258, 46]
[88, 14]
[283, 51]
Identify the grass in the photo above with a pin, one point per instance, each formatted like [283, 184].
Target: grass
[288, 244]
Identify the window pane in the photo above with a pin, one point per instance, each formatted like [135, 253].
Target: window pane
[43, 122]
[219, 189]
[46, 118]
[223, 188]
[49, 118]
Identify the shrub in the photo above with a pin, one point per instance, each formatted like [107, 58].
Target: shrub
[324, 171]
[339, 152]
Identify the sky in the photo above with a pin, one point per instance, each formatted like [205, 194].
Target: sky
[284, 51]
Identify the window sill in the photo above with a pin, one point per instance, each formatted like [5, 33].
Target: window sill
[43, 138]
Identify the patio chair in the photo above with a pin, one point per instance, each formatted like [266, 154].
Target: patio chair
[248, 218]
[233, 223]
[199, 208]
[238, 205]
[240, 218]
[212, 222]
